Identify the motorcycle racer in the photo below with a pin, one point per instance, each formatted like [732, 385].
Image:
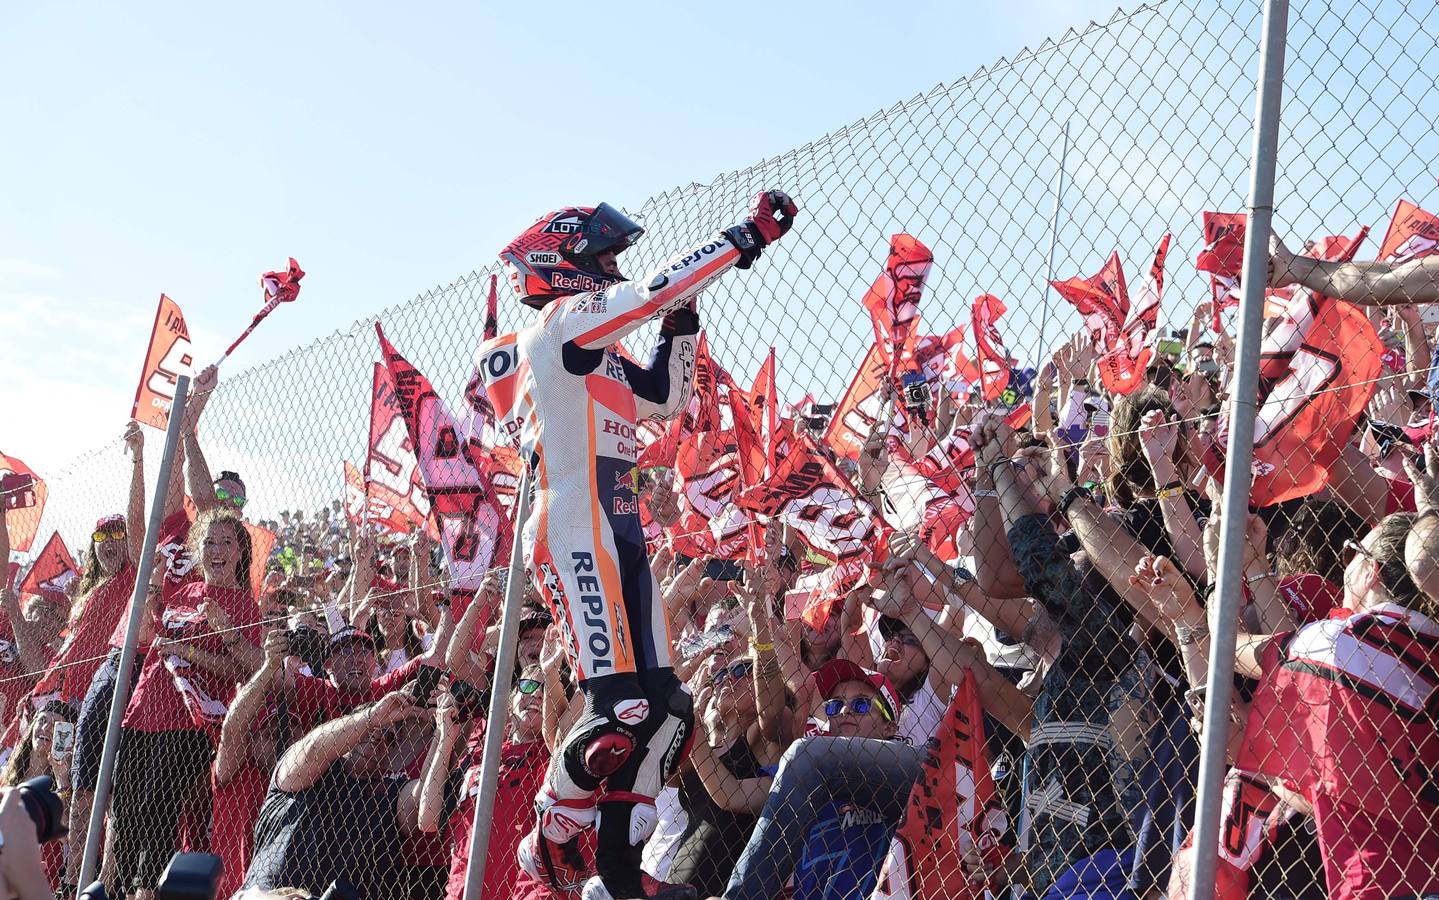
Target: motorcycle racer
[566, 395]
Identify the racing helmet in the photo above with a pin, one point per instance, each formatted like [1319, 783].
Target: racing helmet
[558, 255]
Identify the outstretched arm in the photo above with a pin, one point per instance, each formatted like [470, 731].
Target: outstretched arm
[234, 743]
[197, 473]
[1375, 283]
[312, 755]
[595, 321]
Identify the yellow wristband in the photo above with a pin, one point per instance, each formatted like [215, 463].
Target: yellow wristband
[766, 647]
[1166, 493]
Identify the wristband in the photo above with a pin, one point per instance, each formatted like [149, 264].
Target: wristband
[1258, 576]
[1072, 493]
[1006, 461]
[1173, 489]
[985, 492]
[1185, 635]
[874, 493]
[762, 647]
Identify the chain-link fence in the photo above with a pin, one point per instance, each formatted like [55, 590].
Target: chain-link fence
[933, 540]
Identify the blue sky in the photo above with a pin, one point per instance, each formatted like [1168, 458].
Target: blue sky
[185, 148]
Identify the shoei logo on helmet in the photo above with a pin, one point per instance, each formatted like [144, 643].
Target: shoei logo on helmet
[543, 258]
[581, 282]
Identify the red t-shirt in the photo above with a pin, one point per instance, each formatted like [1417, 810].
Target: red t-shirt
[522, 771]
[1310, 597]
[85, 647]
[158, 703]
[318, 700]
[180, 566]
[232, 828]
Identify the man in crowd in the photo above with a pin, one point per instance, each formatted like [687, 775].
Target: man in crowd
[333, 811]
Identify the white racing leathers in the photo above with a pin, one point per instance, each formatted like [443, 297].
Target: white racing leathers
[565, 394]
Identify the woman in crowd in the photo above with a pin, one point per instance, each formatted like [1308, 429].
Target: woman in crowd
[744, 721]
[39, 755]
[204, 644]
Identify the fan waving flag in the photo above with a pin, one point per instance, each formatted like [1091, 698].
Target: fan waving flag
[1223, 252]
[1122, 336]
[893, 299]
[23, 521]
[1317, 369]
[279, 287]
[860, 407]
[1413, 234]
[475, 532]
[1121, 368]
[169, 357]
[392, 481]
[1102, 300]
[990, 352]
[52, 572]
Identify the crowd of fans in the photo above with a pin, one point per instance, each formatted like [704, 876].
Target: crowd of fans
[327, 725]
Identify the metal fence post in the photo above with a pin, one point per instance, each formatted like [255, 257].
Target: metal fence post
[1053, 240]
[1224, 607]
[499, 703]
[89, 862]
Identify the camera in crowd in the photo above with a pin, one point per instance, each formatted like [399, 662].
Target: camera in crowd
[310, 645]
[914, 392]
[816, 416]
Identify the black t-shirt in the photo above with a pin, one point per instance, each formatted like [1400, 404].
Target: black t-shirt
[341, 827]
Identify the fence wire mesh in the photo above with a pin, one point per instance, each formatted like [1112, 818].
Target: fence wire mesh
[933, 539]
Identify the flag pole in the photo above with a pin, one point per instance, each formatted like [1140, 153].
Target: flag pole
[1224, 608]
[1053, 240]
[88, 862]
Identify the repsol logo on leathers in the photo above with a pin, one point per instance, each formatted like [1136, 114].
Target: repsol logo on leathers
[592, 613]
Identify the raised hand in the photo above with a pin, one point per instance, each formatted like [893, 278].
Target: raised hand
[1426, 483]
[1158, 577]
[391, 708]
[134, 438]
[1158, 436]
[1390, 405]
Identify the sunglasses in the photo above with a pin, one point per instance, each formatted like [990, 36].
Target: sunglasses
[114, 534]
[860, 706]
[1358, 549]
[736, 671]
[528, 685]
[222, 494]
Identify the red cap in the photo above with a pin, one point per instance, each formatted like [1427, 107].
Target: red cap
[838, 671]
[106, 521]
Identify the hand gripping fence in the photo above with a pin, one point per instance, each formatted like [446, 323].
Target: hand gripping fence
[1086, 535]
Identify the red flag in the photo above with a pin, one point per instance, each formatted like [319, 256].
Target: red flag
[262, 541]
[815, 498]
[764, 403]
[1102, 300]
[944, 363]
[475, 531]
[808, 493]
[1223, 252]
[279, 287]
[492, 309]
[707, 473]
[893, 299]
[23, 523]
[860, 407]
[1413, 233]
[991, 354]
[1121, 367]
[953, 807]
[1318, 367]
[392, 481]
[54, 568]
[169, 357]
[356, 503]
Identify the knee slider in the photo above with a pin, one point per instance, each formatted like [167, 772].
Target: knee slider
[563, 820]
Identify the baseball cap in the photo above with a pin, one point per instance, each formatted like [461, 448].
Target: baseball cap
[532, 617]
[106, 521]
[350, 633]
[838, 671]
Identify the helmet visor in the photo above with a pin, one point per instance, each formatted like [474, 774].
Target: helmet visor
[608, 230]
